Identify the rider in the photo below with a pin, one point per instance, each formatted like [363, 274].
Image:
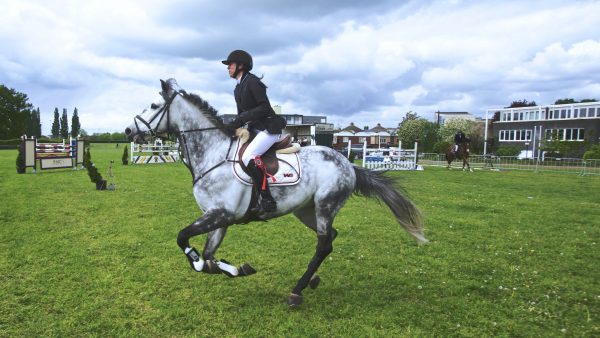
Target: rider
[459, 138]
[254, 108]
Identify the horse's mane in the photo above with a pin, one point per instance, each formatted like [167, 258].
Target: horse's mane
[205, 108]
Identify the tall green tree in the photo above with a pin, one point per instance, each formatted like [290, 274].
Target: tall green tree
[55, 124]
[421, 130]
[38, 119]
[64, 124]
[75, 125]
[15, 111]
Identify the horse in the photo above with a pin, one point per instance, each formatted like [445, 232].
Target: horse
[462, 154]
[327, 180]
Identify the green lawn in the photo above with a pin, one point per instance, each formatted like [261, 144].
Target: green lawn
[511, 254]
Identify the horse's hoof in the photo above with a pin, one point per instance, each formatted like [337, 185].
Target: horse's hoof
[246, 270]
[211, 267]
[314, 281]
[294, 300]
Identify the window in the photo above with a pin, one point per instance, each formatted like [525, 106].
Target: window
[362, 139]
[515, 135]
[563, 114]
[575, 113]
[568, 134]
[583, 112]
[345, 139]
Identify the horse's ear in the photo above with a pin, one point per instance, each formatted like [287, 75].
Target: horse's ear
[164, 86]
[167, 89]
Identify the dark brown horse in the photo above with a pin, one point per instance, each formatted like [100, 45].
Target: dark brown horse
[461, 154]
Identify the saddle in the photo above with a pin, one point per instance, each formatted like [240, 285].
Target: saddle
[270, 157]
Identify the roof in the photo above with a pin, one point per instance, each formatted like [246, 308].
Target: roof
[352, 128]
[378, 128]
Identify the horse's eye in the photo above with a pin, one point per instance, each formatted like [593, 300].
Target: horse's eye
[154, 106]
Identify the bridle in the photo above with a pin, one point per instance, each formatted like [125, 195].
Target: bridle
[165, 112]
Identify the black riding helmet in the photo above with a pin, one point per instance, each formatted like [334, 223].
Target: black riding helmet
[239, 57]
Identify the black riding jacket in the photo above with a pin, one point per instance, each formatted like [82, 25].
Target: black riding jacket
[253, 105]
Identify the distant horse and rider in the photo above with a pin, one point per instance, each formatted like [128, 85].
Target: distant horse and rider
[459, 150]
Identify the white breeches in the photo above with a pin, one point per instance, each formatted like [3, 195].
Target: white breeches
[261, 143]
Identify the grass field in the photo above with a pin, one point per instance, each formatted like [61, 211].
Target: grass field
[511, 254]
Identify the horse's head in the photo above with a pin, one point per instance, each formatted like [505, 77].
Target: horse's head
[155, 119]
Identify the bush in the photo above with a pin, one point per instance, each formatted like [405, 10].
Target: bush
[441, 147]
[21, 161]
[125, 158]
[592, 153]
[508, 151]
[92, 171]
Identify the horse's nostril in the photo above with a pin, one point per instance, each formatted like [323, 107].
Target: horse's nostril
[127, 131]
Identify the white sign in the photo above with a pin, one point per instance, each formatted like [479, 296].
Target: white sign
[54, 163]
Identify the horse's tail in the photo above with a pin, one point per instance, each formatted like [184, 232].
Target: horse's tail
[375, 184]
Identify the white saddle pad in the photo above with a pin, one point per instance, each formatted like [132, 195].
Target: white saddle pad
[289, 171]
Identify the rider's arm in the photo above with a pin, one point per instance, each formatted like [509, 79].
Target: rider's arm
[263, 108]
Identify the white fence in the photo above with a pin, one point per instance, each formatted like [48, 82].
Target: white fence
[390, 158]
[156, 152]
[548, 164]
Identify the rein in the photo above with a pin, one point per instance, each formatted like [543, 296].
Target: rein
[180, 134]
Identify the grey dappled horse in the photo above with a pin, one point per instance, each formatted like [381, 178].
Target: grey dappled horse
[327, 180]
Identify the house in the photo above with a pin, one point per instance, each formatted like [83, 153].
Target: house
[528, 127]
[377, 137]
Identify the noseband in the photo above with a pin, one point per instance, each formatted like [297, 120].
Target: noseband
[165, 110]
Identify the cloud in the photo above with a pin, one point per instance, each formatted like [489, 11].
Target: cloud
[353, 61]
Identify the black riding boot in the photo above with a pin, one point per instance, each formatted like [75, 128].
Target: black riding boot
[266, 202]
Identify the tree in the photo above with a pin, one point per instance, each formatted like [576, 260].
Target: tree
[38, 123]
[421, 130]
[64, 124]
[565, 101]
[55, 124]
[75, 125]
[410, 115]
[522, 103]
[588, 100]
[15, 113]
[451, 126]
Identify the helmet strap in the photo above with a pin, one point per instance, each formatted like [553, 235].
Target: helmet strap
[238, 69]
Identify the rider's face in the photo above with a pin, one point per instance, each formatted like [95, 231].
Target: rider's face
[231, 69]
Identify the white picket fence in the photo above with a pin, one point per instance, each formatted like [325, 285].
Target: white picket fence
[390, 158]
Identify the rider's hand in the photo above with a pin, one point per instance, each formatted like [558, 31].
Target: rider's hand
[233, 125]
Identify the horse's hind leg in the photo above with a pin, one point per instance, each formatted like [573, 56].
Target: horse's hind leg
[309, 218]
[320, 221]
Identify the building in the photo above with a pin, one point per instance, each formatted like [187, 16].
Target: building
[528, 127]
[377, 137]
[442, 117]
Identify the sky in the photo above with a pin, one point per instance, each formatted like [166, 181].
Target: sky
[359, 61]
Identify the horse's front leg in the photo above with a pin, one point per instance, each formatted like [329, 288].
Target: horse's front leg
[214, 240]
[215, 223]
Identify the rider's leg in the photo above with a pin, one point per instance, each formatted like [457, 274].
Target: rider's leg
[261, 143]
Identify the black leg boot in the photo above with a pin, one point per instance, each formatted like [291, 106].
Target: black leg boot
[266, 202]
